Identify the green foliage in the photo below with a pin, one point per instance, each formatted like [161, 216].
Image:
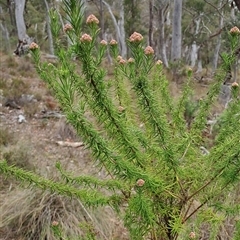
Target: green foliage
[139, 134]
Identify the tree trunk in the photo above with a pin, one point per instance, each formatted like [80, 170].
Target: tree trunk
[195, 48]
[122, 30]
[10, 5]
[21, 27]
[150, 30]
[162, 9]
[177, 31]
[101, 19]
[5, 33]
[219, 40]
[119, 28]
[23, 38]
[50, 38]
[194, 54]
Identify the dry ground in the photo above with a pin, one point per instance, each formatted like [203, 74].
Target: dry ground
[28, 213]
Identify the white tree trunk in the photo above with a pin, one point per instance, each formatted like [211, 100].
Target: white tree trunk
[199, 66]
[195, 47]
[162, 12]
[219, 40]
[23, 39]
[177, 31]
[119, 29]
[5, 33]
[50, 37]
[21, 27]
[122, 30]
[194, 54]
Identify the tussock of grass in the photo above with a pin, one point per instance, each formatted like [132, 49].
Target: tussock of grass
[14, 88]
[29, 213]
[6, 136]
[19, 155]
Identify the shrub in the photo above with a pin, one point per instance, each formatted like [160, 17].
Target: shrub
[160, 181]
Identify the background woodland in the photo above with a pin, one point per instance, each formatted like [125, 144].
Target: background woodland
[192, 32]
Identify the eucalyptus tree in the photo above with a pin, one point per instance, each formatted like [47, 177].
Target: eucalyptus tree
[118, 24]
[177, 31]
[163, 9]
[23, 39]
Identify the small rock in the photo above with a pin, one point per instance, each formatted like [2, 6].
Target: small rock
[21, 118]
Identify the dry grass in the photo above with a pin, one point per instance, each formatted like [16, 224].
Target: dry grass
[19, 155]
[7, 137]
[13, 88]
[29, 213]
[31, 109]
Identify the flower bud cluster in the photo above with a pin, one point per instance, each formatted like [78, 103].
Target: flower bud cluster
[140, 182]
[86, 38]
[113, 42]
[33, 46]
[192, 235]
[136, 37]
[67, 27]
[235, 85]
[235, 31]
[159, 62]
[103, 43]
[92, 19]
[149, 50]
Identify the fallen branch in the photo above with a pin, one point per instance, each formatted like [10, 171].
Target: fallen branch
[70, 144]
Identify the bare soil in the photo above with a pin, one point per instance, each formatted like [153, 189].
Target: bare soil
[32, 144]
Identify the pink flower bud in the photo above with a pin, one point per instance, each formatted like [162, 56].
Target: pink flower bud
[119, 58]
[92, 19]
[159, 62]
[121, 108]
[131, 60]
[104, 43]
[122, 61]
[235, 85]
[113, 42]
[192, 235]
[136, 37]
[55, 223]
[33, 46]
[140, 182]
[148, 50]
[235, 31]
[86, 38]
[67, 27]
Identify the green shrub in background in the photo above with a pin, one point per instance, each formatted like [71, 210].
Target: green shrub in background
[159, 182]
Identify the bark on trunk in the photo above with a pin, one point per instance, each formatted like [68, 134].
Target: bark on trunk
[50, 38]
[177, 31]
[195, 48]
[5, 33]
[101, 18]
[122, 30]
[194, 54]
[162, 41]
[23, 39]
[10, 5]
[150, 31]
[21, 27]
[219, 40]
[119, 28]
